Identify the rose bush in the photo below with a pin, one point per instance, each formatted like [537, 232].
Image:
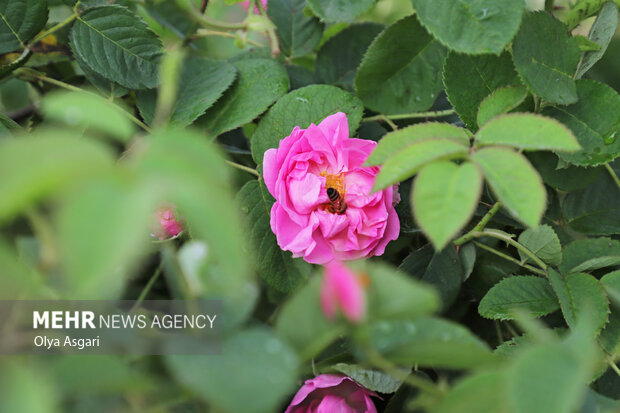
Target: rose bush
[299, 173]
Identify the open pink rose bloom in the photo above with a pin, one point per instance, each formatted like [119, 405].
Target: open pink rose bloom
[332, 393]
[324, 209]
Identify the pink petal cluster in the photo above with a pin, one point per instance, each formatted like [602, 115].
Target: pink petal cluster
[305, 221]
[332, 393]
[343, 291]
[168, 224]
[246, 5]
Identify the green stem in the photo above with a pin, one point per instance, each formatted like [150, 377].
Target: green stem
[509, 240]
[43, 78]
[16, 64]
[206, 32]
[419, 115]
[148, 286]
[271, 31]
[613, 175]
[54, 29]
[480, 226]
[44, 234]
[243, 168]
[509, 258]
[209, 22]
[614, 367]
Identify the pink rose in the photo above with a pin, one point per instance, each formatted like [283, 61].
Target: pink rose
[342, 290]
[332, 393]
[324, 209]
[168, 224]
[246, 5]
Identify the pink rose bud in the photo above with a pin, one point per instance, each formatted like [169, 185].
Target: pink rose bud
[342, 290]
[168, 224]
[324, 209]
[332, 393]
[246, 5]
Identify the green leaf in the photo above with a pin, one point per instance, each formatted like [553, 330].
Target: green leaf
[241, 370]
[87, 110]
[611, 282]
[277, 267]
[260, 82]
[8, 126]
[568, 179]
[303, 325]
[590, 254]
[373, 380]
[429, 342]
[20, 21]
[529, 132]
[42, 164]
[338, 59]
[586, 45]
[482, 392]
[546, 378]
[391, 294]
[117, 44]
[469, 79]
[543, 242]
[515, 182]
[297, 33]
[202, 82]
[401, 71]
[445, 196]
[595, 120]
[443, 270]
[531, 294]
[339, 10]
[301, 107]
[104, 86]
[595, 210]
[394, 142]
[546, 58]
[410, 160]
[501, 101]
[471, 26]
[601, 33]
[580, 295]
[101, 230]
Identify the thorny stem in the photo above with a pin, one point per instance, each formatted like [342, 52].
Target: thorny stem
[419, 115]
[613, 175]
[480, 226]
[38, 76]
[243, 168]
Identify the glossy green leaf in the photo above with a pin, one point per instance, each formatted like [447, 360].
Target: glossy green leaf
[338, 59]
[374, 380]
[595, 210]
[240, 369]
[529, 132]
[302, 107]
[339, 10]
[445, 196]
[546, 58]
[471, 26]
[530, 294]
[20, 21]
[590, 254]
[580, 294]
[443, 270]
[412, 158]
[500, 101]
[515, 181]
[431, 342]
[298, 34]
[470, 79]
[303, 309]
[260, 82]
[543, 242]
[394, 142]
[104, 86]
[601, 33]
[117, 44]
[87, 110]
[401, 71]
[595, 121]
[202, 82]
[277, 267]
[36, 166]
